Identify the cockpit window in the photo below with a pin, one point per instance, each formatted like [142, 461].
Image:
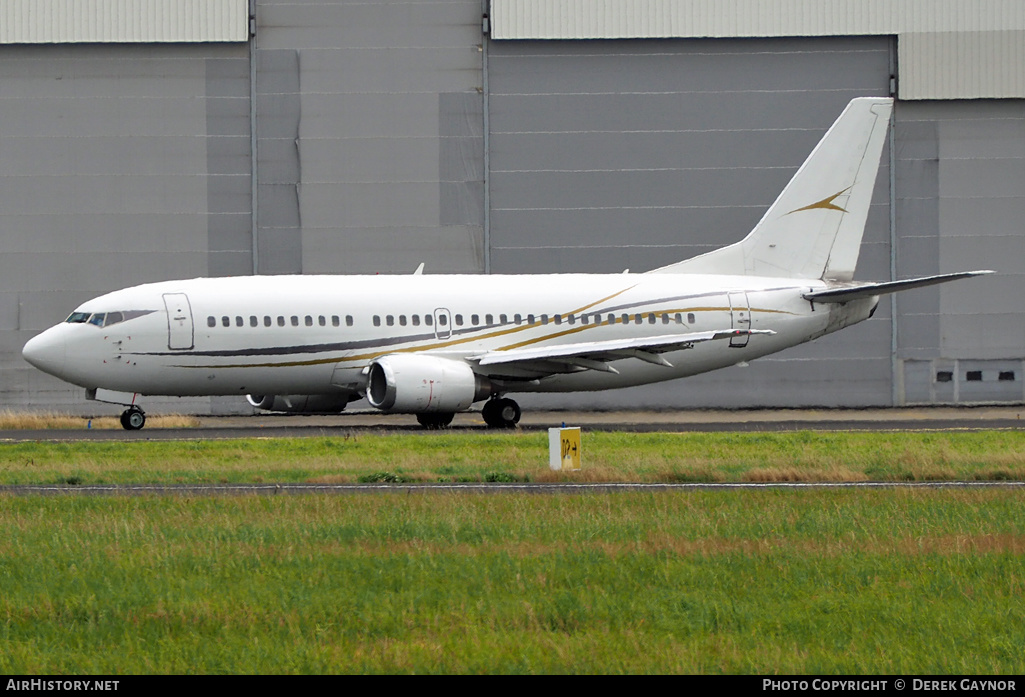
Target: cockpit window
[105, 319]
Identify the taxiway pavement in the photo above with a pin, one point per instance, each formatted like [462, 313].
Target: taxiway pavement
[675, 421]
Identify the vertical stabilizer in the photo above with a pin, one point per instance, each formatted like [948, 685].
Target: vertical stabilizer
[814, 228]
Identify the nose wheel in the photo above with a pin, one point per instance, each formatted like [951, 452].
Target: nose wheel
[133, 418]
[501, 413]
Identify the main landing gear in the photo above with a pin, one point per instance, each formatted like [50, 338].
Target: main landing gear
[497, 413]
[133, 418]
[501, 413]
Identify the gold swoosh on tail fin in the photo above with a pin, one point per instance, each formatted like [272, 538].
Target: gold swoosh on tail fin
[825, 204]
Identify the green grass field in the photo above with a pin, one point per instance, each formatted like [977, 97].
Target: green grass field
[523, 456]
[835, 581]
[768, 581]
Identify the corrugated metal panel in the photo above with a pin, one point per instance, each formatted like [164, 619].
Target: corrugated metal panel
[962, 65]
[123, 21]
[620, 19]
[949, 49]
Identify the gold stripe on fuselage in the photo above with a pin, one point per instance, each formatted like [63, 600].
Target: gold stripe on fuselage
[504, 332]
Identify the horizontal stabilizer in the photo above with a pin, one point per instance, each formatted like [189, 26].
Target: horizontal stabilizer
[868, 290]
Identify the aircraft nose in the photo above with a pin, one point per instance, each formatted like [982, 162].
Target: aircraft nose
[47, 351]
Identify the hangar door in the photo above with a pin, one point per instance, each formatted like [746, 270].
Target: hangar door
[119, 164]
[607, 155]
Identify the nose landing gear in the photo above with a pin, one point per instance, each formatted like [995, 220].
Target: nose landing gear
[133, 418]
[501, 413]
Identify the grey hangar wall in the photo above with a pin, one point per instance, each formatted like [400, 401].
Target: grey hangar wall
[389, 134]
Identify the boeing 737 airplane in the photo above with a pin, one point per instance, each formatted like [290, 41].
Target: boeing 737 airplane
[435, 345]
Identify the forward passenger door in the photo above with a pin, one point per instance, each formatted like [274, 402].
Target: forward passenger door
[180, 330]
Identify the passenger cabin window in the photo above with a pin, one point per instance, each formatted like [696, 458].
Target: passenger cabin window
[690, 318]
[266, 320]
[281, 320]
[308, 320]
[475, 320]
[503, 319]
[239, 322]
[416, 320]
[348, 320]
[377, 320]
[442, 320]
[518, 318]
[226, 321]
[459, 320]
[211, 321]
[489, 319]
[295, 321]
[322, 321]
[253, 321]
[390, 320]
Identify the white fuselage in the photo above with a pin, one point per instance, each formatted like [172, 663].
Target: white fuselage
[317, 334]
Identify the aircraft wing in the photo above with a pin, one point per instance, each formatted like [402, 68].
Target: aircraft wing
[597, 355]
[856, 291]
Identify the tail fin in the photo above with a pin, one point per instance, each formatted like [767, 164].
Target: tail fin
[814, 228]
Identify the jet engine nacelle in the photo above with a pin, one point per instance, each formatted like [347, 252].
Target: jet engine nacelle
[300, 403]
[417, 384]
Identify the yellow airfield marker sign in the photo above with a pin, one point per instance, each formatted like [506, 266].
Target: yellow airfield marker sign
[564, 449]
